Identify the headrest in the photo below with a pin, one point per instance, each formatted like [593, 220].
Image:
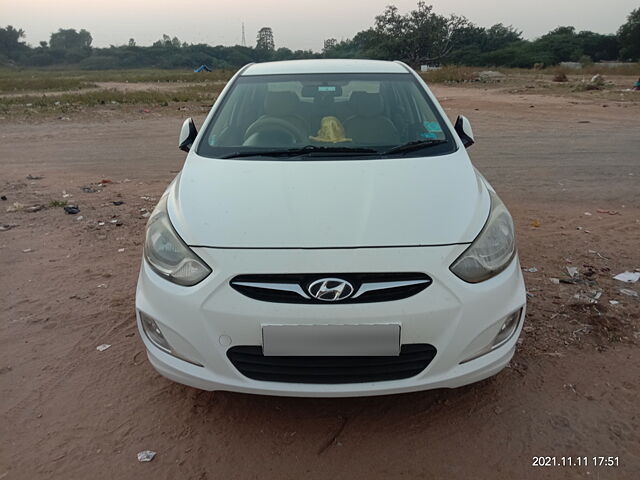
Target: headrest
[367, 104]
[281, 104]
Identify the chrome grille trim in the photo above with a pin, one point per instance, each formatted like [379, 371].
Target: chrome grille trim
[369, 287]
[283, 287]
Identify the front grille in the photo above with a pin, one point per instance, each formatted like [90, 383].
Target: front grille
[366, 287]
[250, 361]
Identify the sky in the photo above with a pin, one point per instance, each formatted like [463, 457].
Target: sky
[296, 24]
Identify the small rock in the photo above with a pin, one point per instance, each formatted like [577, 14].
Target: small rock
[72, 209]
[146, 455]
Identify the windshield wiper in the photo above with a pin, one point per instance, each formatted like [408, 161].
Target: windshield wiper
[412, 146]
[294, 152]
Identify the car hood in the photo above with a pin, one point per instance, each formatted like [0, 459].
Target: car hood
[312, 203]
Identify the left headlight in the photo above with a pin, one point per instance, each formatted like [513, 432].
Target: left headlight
[492, 250]
[167, 254]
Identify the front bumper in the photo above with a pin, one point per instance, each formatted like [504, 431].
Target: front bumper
[203, 321]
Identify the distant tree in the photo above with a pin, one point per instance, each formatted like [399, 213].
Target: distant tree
[70, 39]
[264, 40]
[561, 45]
[10, 44]
[329, 44]
[499, 36]
[132, 43]
[599, 47]
[165, 41]
[43, 44]
[629, 36]
[175, 42]
[421, 36]
[283, 53]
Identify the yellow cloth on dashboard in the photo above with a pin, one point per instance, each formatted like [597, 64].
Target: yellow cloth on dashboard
[331, 131]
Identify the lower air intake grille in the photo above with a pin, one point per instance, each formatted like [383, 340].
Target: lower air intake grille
[250, 361]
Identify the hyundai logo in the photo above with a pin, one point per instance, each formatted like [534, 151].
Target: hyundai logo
[330, 289]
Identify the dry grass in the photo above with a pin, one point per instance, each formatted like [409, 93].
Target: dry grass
[26, 80]
[73, 101]
[459, 74]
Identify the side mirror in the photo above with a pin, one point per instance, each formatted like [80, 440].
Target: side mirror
[188, 134]
[463, 129]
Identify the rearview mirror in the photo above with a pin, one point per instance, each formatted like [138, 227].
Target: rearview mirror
[463, 129]
[188, 134]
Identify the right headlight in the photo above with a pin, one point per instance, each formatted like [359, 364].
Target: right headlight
[492, 250]
[167, 254]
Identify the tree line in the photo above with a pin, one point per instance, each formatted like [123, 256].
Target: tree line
[418, 37]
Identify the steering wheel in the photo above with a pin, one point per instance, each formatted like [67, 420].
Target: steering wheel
[278, 125]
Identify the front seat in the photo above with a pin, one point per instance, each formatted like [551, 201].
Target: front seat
[279, 108]
[369, 125]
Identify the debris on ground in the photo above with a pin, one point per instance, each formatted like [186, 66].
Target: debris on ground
[531, 270]
[27, 250]
[104, 181]
[610, 212]
[597, 80]
[118, 203]
[490, 76]
[628, 277]
[535, 223]
[614, 302]
[589, 297]
[34, 208]
[34, 177]
[89, 189]
[72, 209]
[629, 292]
[103, 347]
[16, 207]
[3, 198]
[120, 250]
[7, 226]
[146, 455]
[555, 281]
[572, 271]
[560, 77]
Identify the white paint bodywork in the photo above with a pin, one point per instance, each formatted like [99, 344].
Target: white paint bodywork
[278, 216]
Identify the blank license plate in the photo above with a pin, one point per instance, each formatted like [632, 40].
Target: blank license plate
[331, 340]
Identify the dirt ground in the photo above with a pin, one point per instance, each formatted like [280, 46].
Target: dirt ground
[569, 170]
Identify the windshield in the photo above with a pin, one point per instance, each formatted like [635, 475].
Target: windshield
[348, 114]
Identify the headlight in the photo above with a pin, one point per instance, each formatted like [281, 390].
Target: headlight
[167, 254]
[492, 250]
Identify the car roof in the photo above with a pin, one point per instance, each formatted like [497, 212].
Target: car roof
[324, 66]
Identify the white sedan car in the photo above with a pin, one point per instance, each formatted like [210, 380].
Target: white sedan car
[329, 236]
